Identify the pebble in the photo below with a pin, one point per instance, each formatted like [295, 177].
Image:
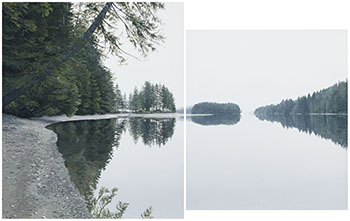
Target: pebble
[43, 217]
[12, 206]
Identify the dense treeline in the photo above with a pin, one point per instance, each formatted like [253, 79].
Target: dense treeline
[330, 100]
[215, 108]
[151, 98]
[330, 127]
[52, 54]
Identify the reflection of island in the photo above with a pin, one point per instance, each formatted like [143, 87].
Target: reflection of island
[87, 146]
[216, 119]
[333, 127]
[152, 130]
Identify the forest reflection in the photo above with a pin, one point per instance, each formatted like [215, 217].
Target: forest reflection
[333, 127]
[152, 131]
[87, 146]
[214, 120]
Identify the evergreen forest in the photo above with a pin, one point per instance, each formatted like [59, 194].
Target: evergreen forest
[53, 56]
[333, 100]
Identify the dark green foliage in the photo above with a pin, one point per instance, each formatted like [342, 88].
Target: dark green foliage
[121, 101]
[330, 100]
[223, 119]
[152, 98]
[333, 127]
[147, 214]
[34, 34]
[216, 108]
[52, 56]
[99, 203]
[135, 101]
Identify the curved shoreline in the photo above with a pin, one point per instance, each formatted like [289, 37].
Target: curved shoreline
[35, 181]
[64, 118]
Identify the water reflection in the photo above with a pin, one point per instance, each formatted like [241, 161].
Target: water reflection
[87, 146]
[152, 131]
[333, 127]
[213, 120]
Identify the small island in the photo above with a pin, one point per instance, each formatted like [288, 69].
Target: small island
[220, 114]
[216, 108]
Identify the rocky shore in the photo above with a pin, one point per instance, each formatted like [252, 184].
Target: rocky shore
[35, 181]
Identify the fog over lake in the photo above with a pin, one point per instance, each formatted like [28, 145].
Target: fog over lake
[272, 161]
[256, 68]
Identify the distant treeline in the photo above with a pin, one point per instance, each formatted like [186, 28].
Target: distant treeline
[151, 98]
[215, 108]
[330, 100]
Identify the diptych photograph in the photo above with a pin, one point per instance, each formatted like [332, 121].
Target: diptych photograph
[120, 110]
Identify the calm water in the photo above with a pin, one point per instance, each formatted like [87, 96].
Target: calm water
[142, 157]
[294, 163]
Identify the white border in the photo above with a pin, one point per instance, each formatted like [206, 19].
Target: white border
[264, 15]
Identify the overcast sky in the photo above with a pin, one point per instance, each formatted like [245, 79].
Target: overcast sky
[256, 68]
[165, 66]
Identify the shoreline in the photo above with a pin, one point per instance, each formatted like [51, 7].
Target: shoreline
[35, 181]
[63, 118]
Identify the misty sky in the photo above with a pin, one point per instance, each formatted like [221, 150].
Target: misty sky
[256, 68]
[165, 66]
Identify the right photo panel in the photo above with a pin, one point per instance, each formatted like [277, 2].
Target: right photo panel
[267, 120]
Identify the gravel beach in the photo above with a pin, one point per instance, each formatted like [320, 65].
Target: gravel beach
[35, 182]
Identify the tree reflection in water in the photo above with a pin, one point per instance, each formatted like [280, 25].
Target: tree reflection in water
[333, 127]
[213, 120]
[152, 131]
[87, 147]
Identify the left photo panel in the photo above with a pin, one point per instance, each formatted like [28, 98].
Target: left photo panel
[92, 110]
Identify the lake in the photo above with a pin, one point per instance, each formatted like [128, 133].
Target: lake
[273, 163]
[142, 157]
